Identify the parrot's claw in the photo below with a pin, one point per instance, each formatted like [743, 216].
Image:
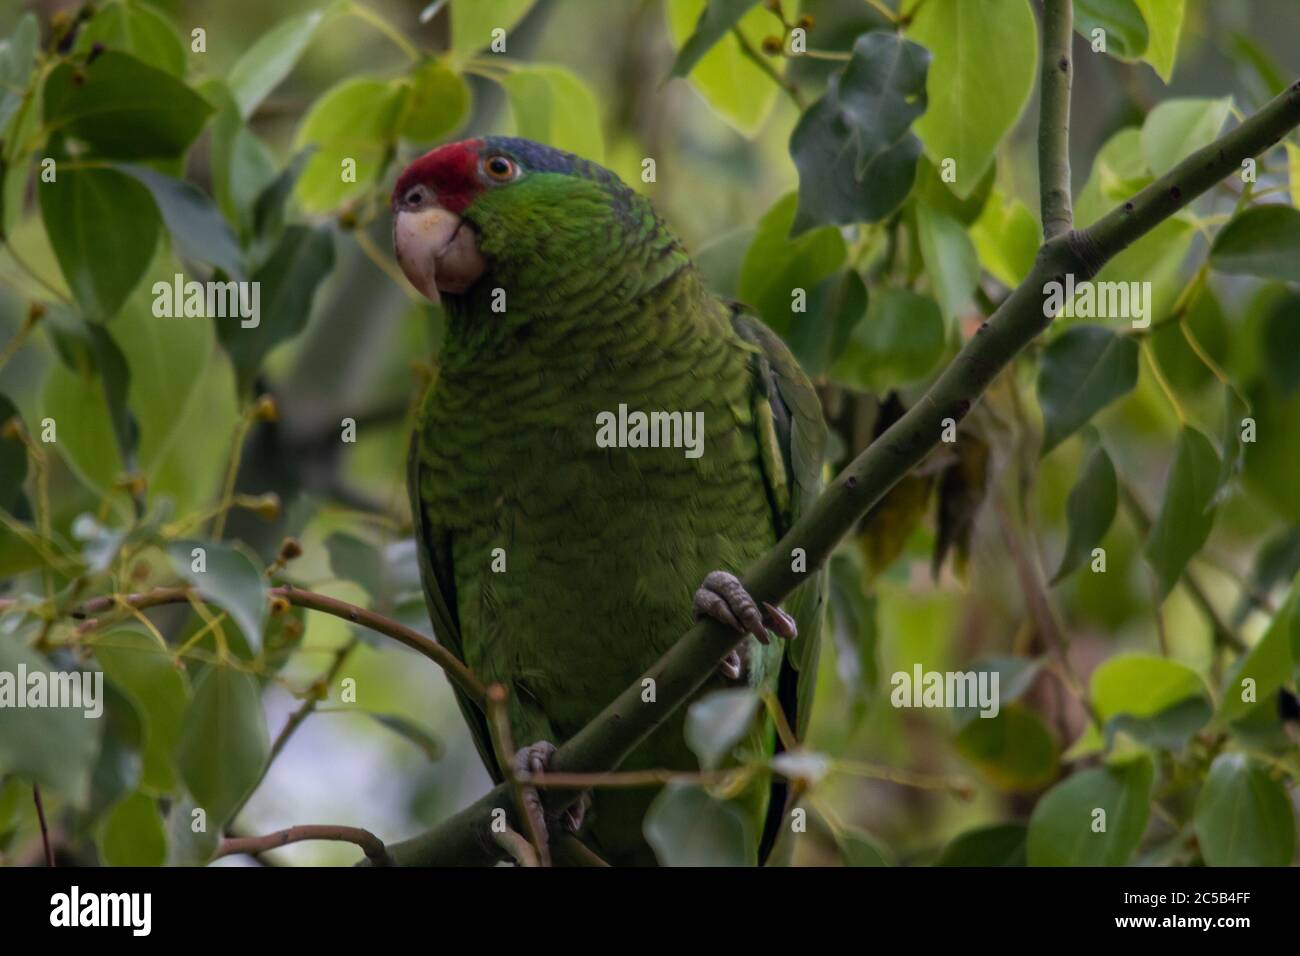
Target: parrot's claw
[730, 666]
[722, 597]
[534, 759]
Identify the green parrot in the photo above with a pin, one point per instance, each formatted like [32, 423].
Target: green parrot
[605, 445]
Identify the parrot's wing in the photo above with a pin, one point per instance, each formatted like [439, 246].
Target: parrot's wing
[792, 438]
[433, 547]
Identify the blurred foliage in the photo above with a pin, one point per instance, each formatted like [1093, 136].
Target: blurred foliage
[879, 161]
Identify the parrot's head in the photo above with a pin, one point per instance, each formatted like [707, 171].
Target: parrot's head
[526, 217]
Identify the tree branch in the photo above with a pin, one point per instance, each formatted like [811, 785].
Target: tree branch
[1056, 77]
[603, 744]
[456, 671]
[371, 845]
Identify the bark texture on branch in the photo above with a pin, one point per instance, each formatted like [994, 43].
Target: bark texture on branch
[1056, 76]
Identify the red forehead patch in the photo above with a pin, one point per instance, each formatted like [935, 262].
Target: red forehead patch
[451, 171]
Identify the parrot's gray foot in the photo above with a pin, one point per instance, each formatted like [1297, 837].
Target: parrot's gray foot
[534, 759]
[731, 666]
[723, 598]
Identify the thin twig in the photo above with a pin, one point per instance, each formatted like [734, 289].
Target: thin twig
[45, 830]
[455, 669]
[371, 845]
[1141, 518]
[747, 48]
[499, 722]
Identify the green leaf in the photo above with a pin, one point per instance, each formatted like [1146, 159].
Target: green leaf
[117, 768]
[1261, 72]
[148, 675]
[242, 165]
[17, 59]
[1234, 450]
[1118, 170]
[134, 27]
[1177, 128]
[1002, 844]
[81, 210]
[1142, 685]
[223, 745]
[553, 106]
[854, 148]
[230, 577]
[428, 744]
[186, 845]
[436, 104]
[853, 626]
[1066, 829]
[1083, 370]
[901, 340]
[89, 447]
[472, 23]
[1089, 511]
[716, 21]
[717, 722]
[776, 264]
[1170, 729]
[687, 827]
[133, 834]
[166, 359]
[289, 279]
[985, 61]
[729, 81]
[1156, 258]
[950, 259]
[1014, 749]
[835, 307]
[357, 121]
[197, 228]
[1243, 815]
[1187, 512]
[858, 848]
[1262, 241]
[389, 574]
[1126, 31]
[1006, 237]
[52, 746]
[1267, 664]
[1277, 561]
[1014, 676]
[265, 64]
[124, 109]
[1164, 20]
[1209, 326]
[189, 468]
[934, 192]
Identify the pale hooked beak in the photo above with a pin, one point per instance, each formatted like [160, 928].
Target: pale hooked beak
[437, 250]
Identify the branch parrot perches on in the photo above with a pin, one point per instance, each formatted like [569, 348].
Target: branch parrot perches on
[553, 564]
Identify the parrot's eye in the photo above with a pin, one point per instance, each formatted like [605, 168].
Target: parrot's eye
[415, 195]
[500, 168]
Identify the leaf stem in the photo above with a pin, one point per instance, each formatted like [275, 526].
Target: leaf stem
[503, 747]
[383, 26]
[1163, 383]
[791, 89]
